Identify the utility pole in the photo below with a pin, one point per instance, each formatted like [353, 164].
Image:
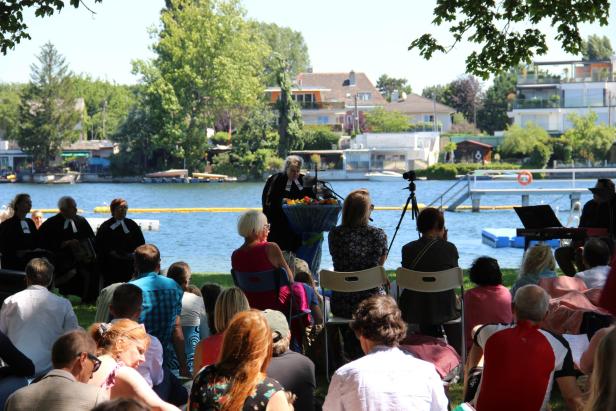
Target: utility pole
[434, 112]
[104, 118]
[356, 122]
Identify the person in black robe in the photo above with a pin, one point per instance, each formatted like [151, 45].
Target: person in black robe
[116, 240]
[286, 184]
[600, 212]
[18, 236]
[71, 240]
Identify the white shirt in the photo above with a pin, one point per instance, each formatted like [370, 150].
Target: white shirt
[152, 368]
[595, 277]
[386, 379]
[33, 319]
[193, 310]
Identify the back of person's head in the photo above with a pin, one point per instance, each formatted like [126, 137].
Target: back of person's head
[39, 271]
[121, 404]
[531, 303]
[66, 348]
[245, 354]
[230, 302]
[596, 252]
[113, 338]
[538, 259]
[356, 208]
[147, 258]
[485, 271]
[607, 183]
[603, 379]
[210, 293]
[430, 218]
[251, 223]
[180, 273]
[281, 333]
[193, 289]
[126, 301]
[379, 319]
[66, 202]
[18, 199]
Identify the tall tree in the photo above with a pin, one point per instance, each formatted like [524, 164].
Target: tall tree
[492, 116]
[493, 26]
[12, 26]
[441, 93]
[387, 85]
[286, 43]
[597, 48]
[208, 60]
[9, 110]
[48, 112]
[290, 121]
[381, 121]
[465, 96]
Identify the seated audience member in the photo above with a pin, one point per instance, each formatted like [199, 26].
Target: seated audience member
[489, 302]
[64, 388]
[122, 346]
[18, 235]
[230, 302]
[122, 404]
[162, 305]
[16, 370]
[238, 380]
[302, 274]
[256, 255]
[432, 252]
[126, 304]
[387, 377]
[37, 218]
[603, 377]
[596, 259]
[521, 359]
[193, 309]
[70, 238]
[103, 301]
[587, 360]
[210, 293]
[356, 245]
[294, 371]
[538, 263]
[34, 318]
[116, 240]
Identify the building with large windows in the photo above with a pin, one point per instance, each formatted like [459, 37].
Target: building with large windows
[548, 92]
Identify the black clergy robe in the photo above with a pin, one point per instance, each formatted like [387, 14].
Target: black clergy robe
[114, 250]
[14, 240]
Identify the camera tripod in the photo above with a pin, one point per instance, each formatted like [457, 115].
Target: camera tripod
[410, 199]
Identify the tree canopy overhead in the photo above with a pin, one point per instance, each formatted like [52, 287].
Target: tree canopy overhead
[12, 26]
[506, 30]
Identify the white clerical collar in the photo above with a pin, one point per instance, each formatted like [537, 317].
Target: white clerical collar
[71, 222]
[25, 227]
[120, 223]
[297, 184]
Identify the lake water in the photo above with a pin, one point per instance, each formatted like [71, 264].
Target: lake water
[206, 240]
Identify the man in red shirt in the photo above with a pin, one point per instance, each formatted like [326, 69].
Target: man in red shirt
[521, 360]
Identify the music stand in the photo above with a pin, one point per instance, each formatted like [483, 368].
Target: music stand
[538, 216]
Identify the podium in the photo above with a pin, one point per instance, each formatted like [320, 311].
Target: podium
[309, 222]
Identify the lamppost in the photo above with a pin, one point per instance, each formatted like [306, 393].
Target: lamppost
[355, 115]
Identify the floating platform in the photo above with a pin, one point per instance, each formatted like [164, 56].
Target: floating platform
[506, 237]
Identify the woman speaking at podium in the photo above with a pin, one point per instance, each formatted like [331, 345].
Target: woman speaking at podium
[286, 184]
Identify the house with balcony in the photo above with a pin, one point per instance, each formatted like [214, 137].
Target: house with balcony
[421, 110]
[337, 100]
[548, 92]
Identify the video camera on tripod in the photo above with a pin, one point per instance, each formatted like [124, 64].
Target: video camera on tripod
[410, 176]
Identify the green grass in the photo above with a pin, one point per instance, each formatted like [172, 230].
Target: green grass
[85, 314]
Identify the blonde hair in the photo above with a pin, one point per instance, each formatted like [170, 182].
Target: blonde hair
[230, 302]
[36, 212]
[602, 393]
[112, 338]
[356, 208]
[537, 259]
[250, 223]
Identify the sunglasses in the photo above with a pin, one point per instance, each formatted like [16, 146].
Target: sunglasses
[95, 361]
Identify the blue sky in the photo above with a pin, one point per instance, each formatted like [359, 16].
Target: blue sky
[363, 35]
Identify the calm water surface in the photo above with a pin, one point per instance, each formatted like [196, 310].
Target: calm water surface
[206, 240]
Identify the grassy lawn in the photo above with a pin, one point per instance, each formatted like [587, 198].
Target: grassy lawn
[86, 313]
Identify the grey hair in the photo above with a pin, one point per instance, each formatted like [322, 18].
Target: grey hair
[293, 160]
[531, 303]
[63, 201]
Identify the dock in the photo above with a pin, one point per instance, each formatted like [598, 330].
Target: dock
[465, 188]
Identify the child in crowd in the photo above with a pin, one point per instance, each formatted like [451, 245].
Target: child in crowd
[538, 263]
[596, 260]
[489, 302]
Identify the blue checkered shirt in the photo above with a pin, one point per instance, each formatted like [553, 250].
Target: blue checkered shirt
[162, 303]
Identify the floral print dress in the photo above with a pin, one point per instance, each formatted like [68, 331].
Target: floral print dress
[355, 249]
[209, 392]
